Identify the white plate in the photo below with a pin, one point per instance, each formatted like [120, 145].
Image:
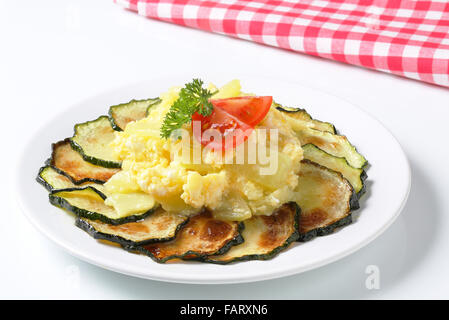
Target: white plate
[388, 188]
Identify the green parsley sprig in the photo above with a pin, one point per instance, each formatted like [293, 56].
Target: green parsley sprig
[192, 98]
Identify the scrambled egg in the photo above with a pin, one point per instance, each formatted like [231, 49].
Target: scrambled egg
[153, 171]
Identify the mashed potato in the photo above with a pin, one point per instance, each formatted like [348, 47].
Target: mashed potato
[153, 168]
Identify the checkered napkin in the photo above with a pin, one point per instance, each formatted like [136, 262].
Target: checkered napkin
[406, 38]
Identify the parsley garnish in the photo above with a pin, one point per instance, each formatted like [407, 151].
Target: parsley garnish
[192, 98]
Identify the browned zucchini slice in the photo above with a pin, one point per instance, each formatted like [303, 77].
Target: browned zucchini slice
[89, 203]
[326, 200]
[92, 139]
[355, 176]
[70, 163]
[201, 236]
[264, 236]
[158, 227]
[52, 179]
[122, 114]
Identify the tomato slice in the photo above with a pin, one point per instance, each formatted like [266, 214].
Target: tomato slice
[250, 110]
[220, 130]
[231, 121]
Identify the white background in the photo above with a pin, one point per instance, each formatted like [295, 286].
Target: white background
[56, 53]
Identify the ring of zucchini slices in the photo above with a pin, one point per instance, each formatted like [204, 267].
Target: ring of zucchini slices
[332, 180]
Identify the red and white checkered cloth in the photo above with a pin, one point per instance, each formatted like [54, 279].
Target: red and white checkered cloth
[406, 38]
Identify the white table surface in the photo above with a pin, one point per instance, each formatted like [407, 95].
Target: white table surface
[54, 53]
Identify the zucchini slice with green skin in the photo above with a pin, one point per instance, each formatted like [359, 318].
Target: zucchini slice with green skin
[160, 226]
[52, 179]
[326, 199]
[303, 115]
[201, 236]
[91, 140]
[89, 203]
[122, 114]
[68, 162]
[333, 144]
[355, 176]
[264, 236]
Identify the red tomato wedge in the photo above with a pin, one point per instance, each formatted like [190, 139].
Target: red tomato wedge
[231, 121]
[250, 110]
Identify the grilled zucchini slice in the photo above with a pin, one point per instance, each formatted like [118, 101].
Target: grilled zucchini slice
[264, 236]
[304, 116]
[69, 162]
[323, 135]
[333, 144]
[52, 179]
[158, 227]
[89, 203]
[92, 140]
[355, 176]
[201, 236]
[326, 199]
[122, 114]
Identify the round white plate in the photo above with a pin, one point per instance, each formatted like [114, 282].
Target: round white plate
[388, 187]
